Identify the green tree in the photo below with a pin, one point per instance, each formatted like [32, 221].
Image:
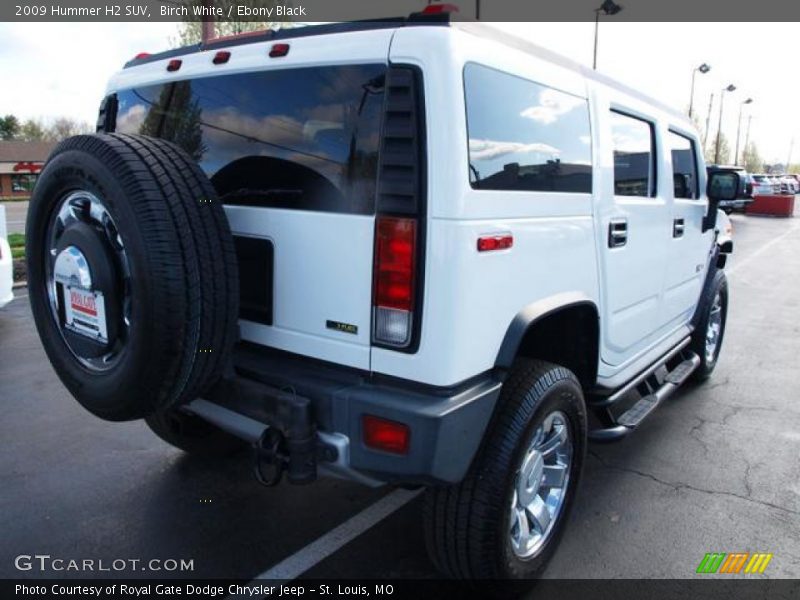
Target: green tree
[751, 159]
[32, 130]
[9, 127]
[190, 31]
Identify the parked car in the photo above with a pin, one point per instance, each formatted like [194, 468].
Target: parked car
[404, 262]
[788, 184]
[777, 186]
[6, 263]
[745, 193]
[763, 185]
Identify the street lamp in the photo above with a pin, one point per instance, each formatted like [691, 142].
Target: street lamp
[730, 88]
[739, 130]
[609, 7]
[704, 68]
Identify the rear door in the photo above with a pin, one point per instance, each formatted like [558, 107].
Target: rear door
[291, 146]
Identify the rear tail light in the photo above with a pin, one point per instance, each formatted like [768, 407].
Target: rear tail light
[386, 435]
[394, 285]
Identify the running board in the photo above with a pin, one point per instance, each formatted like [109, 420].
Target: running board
[644, 407]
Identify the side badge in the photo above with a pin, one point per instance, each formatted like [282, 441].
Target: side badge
[343, 327]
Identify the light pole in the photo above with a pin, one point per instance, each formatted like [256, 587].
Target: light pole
[704, 68]
[730, 88]
[708, 120]
[739, 130]
[747, 134]
[609, 7]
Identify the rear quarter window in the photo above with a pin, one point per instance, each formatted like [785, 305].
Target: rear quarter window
[293, 138]
[525, 136]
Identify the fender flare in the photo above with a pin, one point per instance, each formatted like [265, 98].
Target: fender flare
[530, 315]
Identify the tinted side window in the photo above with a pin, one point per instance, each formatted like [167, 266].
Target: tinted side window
[292, 138]
[684, 166]
[634, 153]
[525, 136]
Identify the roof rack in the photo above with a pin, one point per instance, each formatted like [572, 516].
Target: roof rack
[415, 19]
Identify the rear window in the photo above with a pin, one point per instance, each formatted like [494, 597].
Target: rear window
[524, 135]
[293, 138]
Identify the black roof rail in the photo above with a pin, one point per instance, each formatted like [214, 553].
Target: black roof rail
[267, 35]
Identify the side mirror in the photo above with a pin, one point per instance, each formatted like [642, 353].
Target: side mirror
[722, 185]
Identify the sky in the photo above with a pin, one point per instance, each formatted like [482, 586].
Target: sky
[54, 69]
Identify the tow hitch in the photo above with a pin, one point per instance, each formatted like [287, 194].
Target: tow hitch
[279, 426]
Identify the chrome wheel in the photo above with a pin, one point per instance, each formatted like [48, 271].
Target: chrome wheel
[88, 280]
[714, 329]
[540, 486]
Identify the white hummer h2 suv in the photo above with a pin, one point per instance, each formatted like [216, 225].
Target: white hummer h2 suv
[407, 252]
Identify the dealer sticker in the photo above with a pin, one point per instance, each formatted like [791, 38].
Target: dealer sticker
[86, 313]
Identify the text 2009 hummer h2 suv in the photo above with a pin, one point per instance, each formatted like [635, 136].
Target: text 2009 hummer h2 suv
[410, 252]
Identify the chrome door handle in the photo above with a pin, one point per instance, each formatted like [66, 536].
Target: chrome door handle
[617, 233]
[678, 227]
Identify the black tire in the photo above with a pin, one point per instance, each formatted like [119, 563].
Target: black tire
[467, 525]
[718, 286]
[193, 435]
[183, 272]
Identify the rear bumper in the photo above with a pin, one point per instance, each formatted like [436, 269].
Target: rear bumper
[446, 424]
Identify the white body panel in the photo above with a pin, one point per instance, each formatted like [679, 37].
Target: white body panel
[645, 292]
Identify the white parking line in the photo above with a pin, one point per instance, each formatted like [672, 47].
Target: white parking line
[761, 250]
[321, 548]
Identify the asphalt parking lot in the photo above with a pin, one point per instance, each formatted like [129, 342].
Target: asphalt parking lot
[716, 469]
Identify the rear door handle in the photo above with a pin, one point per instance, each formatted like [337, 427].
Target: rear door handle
[617, 233]
[678, 227]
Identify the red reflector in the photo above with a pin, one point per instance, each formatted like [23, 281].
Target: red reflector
[141, 55]
[488, 243]
[436, 9]
[221, 57]
[174, 65]
[279, 50]
[382, 434]
[394, 263]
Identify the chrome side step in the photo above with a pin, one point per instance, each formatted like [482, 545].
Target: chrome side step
[644, 407]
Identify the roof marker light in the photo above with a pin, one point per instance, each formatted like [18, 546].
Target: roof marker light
[437, 9]
[174, 65]
[221, 57]
[141, 55]
[278, 50]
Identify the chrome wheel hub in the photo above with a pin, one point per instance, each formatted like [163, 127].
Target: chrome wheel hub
[714, 329]
[88, 280]
[540, 485]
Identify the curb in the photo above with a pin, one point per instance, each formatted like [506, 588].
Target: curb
[19, 284]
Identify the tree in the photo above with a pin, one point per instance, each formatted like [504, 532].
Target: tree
[751, 159]
[190, 31]
[32, 130]
[724, 150]
[65, 127]
[9, 127]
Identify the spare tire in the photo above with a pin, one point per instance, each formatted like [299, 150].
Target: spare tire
[132, 274]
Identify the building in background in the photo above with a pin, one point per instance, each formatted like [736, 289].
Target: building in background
[20, 164]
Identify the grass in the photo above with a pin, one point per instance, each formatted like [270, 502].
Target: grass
[17, 243]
